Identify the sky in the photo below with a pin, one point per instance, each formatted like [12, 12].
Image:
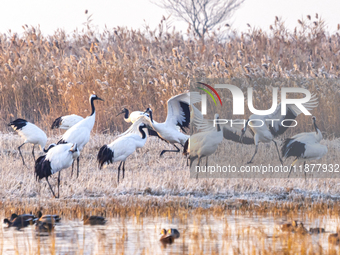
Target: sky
[70, 14]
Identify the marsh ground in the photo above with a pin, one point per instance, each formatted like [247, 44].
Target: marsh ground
[215, 216]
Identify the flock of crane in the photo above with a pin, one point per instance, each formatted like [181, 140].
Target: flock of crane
[180, 113]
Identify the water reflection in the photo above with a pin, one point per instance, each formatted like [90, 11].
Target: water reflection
[198, 234]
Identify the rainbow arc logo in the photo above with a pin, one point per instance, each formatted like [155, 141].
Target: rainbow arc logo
[209, 93]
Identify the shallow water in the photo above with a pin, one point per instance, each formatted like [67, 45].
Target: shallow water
[204, 234]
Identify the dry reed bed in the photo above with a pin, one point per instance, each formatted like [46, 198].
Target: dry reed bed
[45, 76]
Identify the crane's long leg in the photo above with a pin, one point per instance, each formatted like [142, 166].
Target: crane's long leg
[33, 152]
[23, 161]
[163, 151]
[199, 161]
[50, 187]
[72, 168]
[58, 182]
[251, 161]
[278, 152]
[77, 167]
[206, 166]
[123, 169]
[192, 160]
[119, 170]
[294, 162]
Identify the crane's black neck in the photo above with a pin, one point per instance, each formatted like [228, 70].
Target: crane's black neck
[126, 116]
[218, 127]
[142, 131]
[150, 115]
[92, 106]
[245, 127]
[315, 127]
[49, 147]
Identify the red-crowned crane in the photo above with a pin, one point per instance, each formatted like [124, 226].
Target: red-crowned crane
[133, 117]
[178, 115]
[204, 144]
[304, 146]
[80, 132]
[269, 130]
[123, 147]
[57, 158]
[31, 133]
[66, 122]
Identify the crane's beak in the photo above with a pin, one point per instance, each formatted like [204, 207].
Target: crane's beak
[74, 148]
[98, 98]
[120, 113]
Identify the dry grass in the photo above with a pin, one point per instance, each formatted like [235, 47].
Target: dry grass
[43, 77]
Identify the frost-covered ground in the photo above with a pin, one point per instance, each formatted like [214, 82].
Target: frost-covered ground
[160, 178]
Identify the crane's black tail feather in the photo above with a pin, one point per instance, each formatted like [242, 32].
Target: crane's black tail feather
[105, 155]
[56, 123]
[291, 148]
[42, 168]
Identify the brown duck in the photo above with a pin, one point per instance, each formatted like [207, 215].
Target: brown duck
[165, 238]
[334, 238]
[316, 230]
[20, 221]
[300, 229]
[94, 220]
[289, 227]
[169, 236]
[55, 217]
[45, 224]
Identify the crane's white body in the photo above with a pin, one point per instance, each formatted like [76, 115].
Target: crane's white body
[170, 133]
[313, 149]
[204, 144]
[121, 148]
[80, 133]
[61, 157]
[304, 146]
[57, 158]
[124, 146]
[133, 117]
[32, 134]
[68, 121]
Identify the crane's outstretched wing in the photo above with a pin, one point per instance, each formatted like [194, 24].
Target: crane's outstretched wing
[231, 130]
[195, 97]
[133, 129]
[291, 113]
[234, 134]
[178, 110]
[195, 115]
